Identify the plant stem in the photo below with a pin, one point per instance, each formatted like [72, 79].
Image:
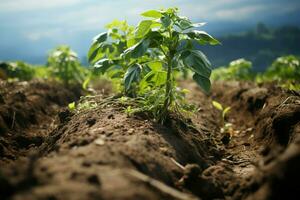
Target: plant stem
[168, 97]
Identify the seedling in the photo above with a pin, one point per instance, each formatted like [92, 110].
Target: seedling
[159, 47]
[72, 106]
[85, 103]
[226, 128]
[223, 112]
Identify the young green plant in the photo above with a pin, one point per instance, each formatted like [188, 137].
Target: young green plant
[223, 111]
[64, 65]
[226, 128]
[174, 37]
[160, 46]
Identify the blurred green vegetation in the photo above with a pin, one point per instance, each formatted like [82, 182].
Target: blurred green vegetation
[284, 71]
[240, 69]
[261, 45]
[64, 65]
[16, 70]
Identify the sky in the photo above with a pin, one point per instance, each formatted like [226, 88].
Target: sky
[30, 28]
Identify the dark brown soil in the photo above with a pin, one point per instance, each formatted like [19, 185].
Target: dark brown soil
[102, 153]
[27, 113]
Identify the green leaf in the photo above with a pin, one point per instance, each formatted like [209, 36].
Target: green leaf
[159, 78]
[203, 82]
[94, 52]
[152, 13]
[197, 62]
[166, 21]
[86, 82]
[171, 11]
[143, 28]
[116, 74]
[132, 75]
[72, 106]
[184, 23]
[225, 111]
[138, 50]
[202, 37]
[101, 37]
[185, 54]
[155, 38]
[217, 105]
[103, 65]
[156, 24]
[155, 65]
[154, 79]
[131, 41]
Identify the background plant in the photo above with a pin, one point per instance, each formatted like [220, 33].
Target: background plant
[239, 69]
[17, 70]
[284, 68]
[285, 71]
[64, 65]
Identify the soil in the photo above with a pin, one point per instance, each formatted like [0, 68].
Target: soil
[102, 153]
[27, 113]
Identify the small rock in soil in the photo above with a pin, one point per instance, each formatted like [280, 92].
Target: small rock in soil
[130, 131]
[97, 131]
[99, 142]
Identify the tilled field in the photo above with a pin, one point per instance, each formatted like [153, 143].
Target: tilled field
[48, 152]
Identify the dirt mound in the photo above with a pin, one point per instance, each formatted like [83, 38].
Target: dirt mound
[101, 153]
[104, 153]
[26, 113]
[272, 116]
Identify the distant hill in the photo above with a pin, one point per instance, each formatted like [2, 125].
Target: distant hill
[260, 45]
